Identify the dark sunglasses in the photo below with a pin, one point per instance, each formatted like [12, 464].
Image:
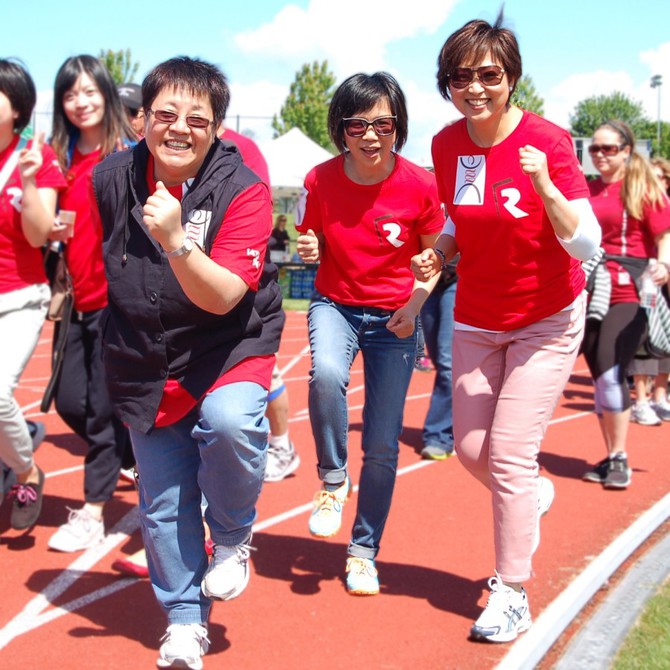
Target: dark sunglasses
[355, 126]
[606, 149]
[488, 75]
[163, 116]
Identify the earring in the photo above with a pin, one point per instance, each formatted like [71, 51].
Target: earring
[511, 87]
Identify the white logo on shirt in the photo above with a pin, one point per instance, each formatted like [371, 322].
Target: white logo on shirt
[255, 256]
[512, 196]
[470, 180]
[16, 197]
[393, 231]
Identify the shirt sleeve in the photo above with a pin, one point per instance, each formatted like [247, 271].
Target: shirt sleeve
[658, 218]
[307, 210]
[241, 243]
[49, 174]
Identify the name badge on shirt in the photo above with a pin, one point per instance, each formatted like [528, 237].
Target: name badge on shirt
[197, 226]
[470, 180]
[623, 278]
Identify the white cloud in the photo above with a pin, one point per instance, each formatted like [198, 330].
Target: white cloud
[563, 98]
[428, 113]
[252, 107]
[658, 62]
[352, 35]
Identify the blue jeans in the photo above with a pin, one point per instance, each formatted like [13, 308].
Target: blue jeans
[437, 318]
[336, 334]
[219, 451]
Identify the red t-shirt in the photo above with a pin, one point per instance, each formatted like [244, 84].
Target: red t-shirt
[240, 247]
[512, 269]
[251, 154]
[371, 231]
[22, 265]
[624, 235]
[83, 251]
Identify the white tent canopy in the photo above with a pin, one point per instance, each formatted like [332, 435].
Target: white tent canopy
[290, 157]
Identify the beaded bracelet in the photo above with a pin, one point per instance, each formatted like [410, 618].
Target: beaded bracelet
[443, 258]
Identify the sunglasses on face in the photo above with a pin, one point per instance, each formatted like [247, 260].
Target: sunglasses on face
[355, 126]
[488, 75]
[163, 116]
[606, 149]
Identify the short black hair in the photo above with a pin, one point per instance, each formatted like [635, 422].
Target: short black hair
[361, 92]
[195, 76]
[18, 86]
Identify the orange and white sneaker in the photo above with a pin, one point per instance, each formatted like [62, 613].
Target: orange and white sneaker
[362, 577]
[326, 518]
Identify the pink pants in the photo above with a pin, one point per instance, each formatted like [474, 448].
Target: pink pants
[506, 387]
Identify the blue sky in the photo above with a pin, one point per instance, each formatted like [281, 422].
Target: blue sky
[572, 49]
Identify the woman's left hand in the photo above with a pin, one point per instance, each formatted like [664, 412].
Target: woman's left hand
[401, 324]
[533, 162]
[660, 274]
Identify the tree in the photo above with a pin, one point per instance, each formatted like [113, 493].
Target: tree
[594, 111]
[306, 106]
[120, 65]
[526, 96]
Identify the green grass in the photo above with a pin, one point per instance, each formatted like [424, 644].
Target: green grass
[647, 645]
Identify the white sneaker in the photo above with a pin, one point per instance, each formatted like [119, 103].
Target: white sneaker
[80, 532]
[545, 497]
[661, 409]
[644, 414]
[505, 616]
[326, 518]
[281, 463]
[228, 572]
[184, 645]
[362, 576]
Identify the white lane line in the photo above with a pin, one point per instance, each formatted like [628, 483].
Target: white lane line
[531, 648]
[33, 614]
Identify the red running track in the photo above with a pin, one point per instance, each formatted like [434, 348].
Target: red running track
[73, 611]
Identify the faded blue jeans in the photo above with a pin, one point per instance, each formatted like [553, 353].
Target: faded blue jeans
[437, 318]
[219, 451]
[336, 334]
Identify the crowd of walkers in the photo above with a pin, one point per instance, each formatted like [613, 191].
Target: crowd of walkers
[512, 260]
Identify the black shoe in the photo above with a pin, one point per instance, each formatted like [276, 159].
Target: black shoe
[618, 473]
[599, 472]
[27, 503]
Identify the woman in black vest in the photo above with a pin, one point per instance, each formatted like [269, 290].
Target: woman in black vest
[193, 324]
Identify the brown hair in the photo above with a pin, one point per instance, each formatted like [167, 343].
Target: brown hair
[471, 43]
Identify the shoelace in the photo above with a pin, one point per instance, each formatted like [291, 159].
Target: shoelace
[175, 632]
[242, 553]
[327, 501]
[24, 493]
[360, 566]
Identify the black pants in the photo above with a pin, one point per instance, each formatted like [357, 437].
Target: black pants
[83, 403]
[614, 342]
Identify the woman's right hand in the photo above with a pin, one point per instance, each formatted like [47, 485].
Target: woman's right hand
[308, 247]
[425, 265]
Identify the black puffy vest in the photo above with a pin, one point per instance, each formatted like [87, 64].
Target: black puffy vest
[151, 330]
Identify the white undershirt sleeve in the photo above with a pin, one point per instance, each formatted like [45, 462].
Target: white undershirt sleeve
[586, 241]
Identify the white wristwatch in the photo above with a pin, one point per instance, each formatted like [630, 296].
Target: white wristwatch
[185, 248]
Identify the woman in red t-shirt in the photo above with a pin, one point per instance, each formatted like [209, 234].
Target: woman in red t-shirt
[634, 214]
[29, 185]
[364, 214]
[88, 123]
[519, 215]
